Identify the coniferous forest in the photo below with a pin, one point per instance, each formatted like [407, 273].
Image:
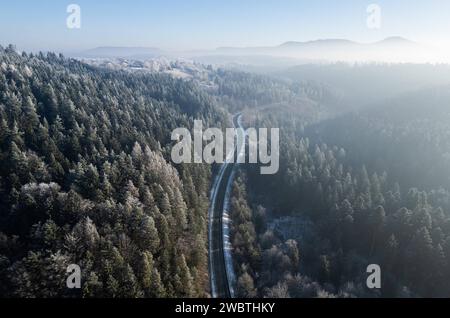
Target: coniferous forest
[86, 178]
[366, 187]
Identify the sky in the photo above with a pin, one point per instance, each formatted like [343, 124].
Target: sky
[207, 24]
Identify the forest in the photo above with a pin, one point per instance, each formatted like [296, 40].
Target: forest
[86, 178]
[365, 187]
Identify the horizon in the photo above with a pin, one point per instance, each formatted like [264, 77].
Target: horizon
[390, 50]
[310, 41]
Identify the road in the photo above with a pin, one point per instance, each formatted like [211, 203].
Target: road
[220, 264]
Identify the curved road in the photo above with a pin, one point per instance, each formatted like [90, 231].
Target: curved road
[220, 265]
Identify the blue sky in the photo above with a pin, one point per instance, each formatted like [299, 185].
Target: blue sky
[199, 24]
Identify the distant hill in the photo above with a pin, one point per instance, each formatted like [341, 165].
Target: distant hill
[393, 49]
[333, 42]
[397, 40]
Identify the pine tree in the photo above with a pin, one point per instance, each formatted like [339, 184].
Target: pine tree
[157, 288]
[93, 287]
[148, 237]
[246, 286]
[31, 118]
[179, 210]
[184, 282]
[18, 162]
[144, 272]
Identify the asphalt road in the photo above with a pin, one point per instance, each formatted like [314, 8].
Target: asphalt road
[220, 285]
